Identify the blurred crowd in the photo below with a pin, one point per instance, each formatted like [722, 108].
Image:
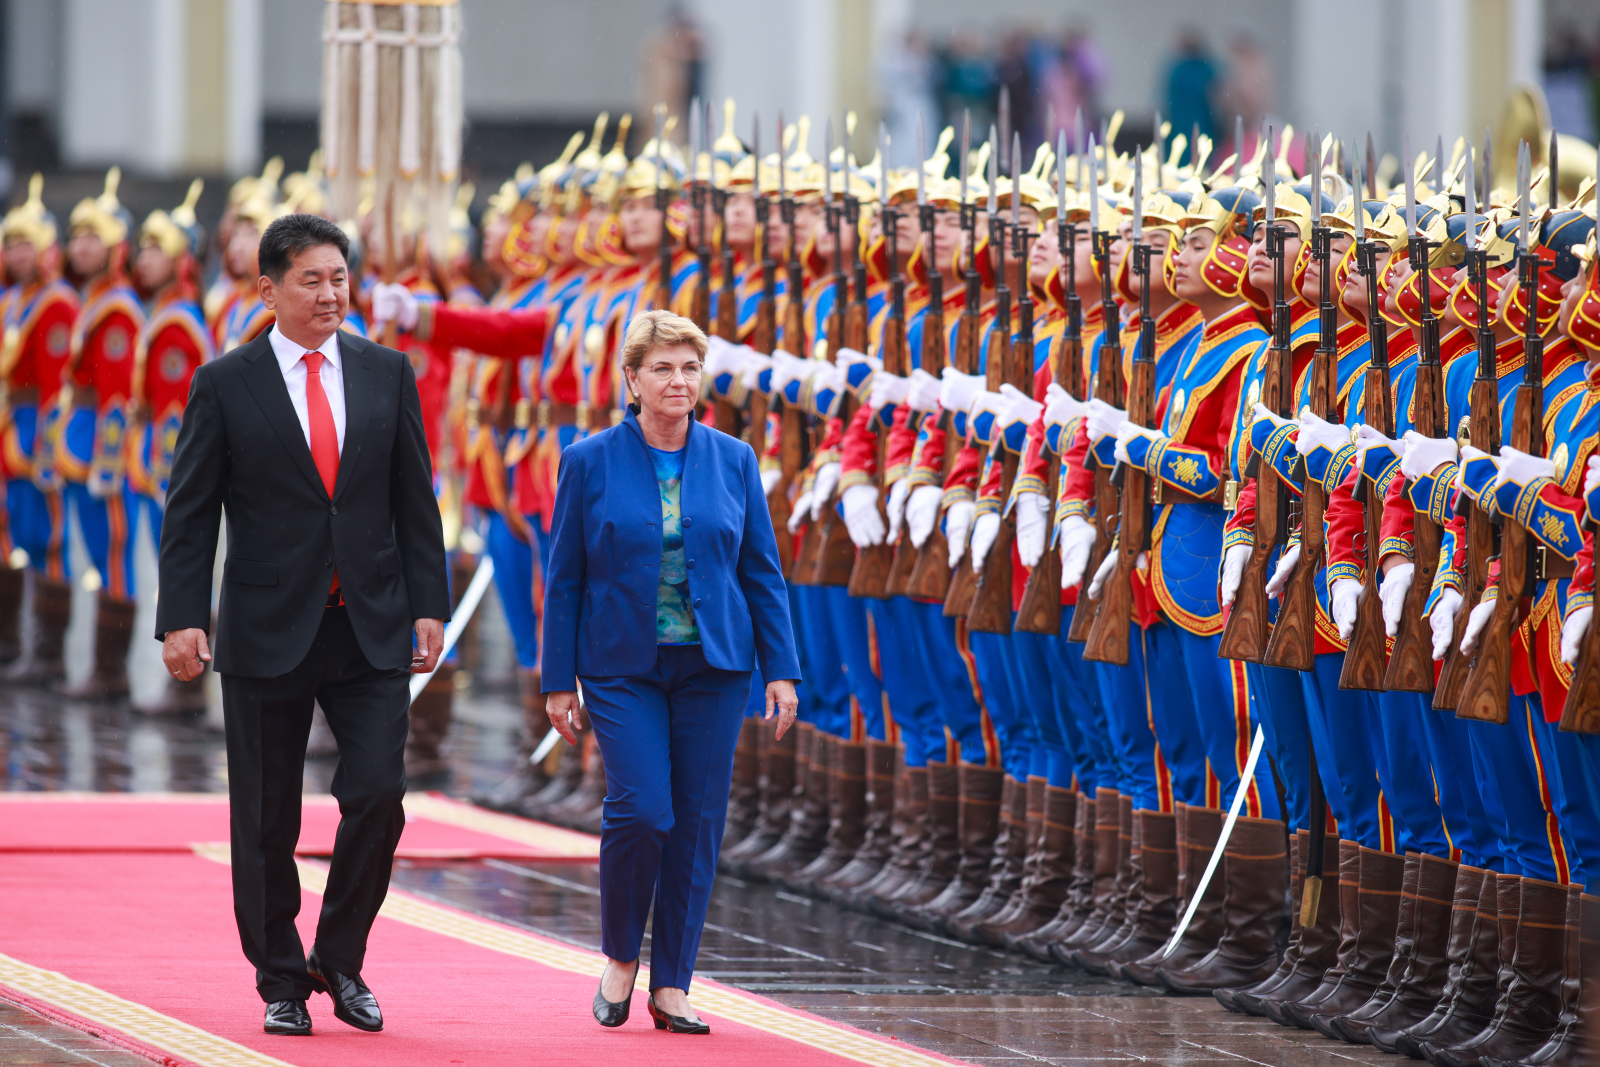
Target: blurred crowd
[1572, 81]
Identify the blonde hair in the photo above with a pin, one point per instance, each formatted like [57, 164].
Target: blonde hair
[650, 330]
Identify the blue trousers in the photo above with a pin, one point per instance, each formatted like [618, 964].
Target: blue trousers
[1054, 758]
[1140, 754]
[857, 642]
[667, 739]
[1466, 818]
[908, 686]
[1343, 725]
[1409, 772]
[1513, 782]
[994, 658]
[950, 670]
[1204, 706]
[825, 699]
[107, 535]
[1576, 758]
[1280, 706]
[1083, 716]
[513, 580]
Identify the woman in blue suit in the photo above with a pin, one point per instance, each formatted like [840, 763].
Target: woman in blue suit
[663, 592]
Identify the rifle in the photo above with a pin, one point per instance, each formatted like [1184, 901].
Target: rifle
[847, 328]
[870, 577]
[763, 340]
[700, 310]
[1582, 711]
[1292, 643]
[1244, 635]
[906, 554]
[663, 294]
[991, 603]
[930, 579]
[1411, 658]
[1040, 609]
[962, 583]
[1366, 655]
[1487, 693]
[1108, 635]
[727, 324]
[796, 444]
[1484, 424]
[1110, 387]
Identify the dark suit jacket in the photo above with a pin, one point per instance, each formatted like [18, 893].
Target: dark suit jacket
[605, 559]
[241, 448]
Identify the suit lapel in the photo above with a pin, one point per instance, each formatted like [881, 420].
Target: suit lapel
[264, 378]
[358, 399]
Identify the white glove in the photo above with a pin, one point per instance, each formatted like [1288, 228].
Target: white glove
[1520, 468]
[787, 368]
[1060, 407]
[1367, 437]
[1424, 455]
[1476, 621]
[1018, 406]
[754, 364]
[887, 390]
[394, 303]
[1396, 584]
[1075, 542]
[984, 531]
[861, 518]
[898, 492]
[922, 511]
[1103, 420]
[848, 357]
[1233, 562]
[1572, 634]
[924, 394]
[957, 390]
[1033, 520]
[1129, 431]
[1280, 576]
[822, 487]
[1442, 621]
[1318, 433]
[801, 510]
[1108, 567]
[1591, 477]
[957, 524]
[723, 357]
[1342, 598]
[769, 481]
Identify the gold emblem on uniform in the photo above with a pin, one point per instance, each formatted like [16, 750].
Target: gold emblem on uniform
[173, 362]
[1552, 532]
[1464, 430]
[1253, 397]
[1559, 458]
[116, 343]
[1177, 405]
[1186, 469]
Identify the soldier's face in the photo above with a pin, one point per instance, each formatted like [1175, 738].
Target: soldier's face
[22, 260]
[1188, 278]
[947, 237]
[1401, 265]
[1310, 289]
[741, 232]
[1260, 266]
[1355, 292]
[1571, 297]
[494, 242]
[1157, 241]
[1043, 255]
[242, 247]
[88, 254]
[153, 268]
[641, 225]
[807, 221]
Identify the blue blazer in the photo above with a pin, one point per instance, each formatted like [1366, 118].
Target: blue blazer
[605, 560]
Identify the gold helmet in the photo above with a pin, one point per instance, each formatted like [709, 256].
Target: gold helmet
[30, 220]
[103, 215]
[176, 232]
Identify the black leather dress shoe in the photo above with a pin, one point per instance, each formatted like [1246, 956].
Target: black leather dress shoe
[353, 1002]
[676, 1023]
[288, 1017]
[612, 1012]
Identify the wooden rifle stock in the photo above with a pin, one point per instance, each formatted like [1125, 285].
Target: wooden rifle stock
[1110, 387]
[836, 557]
[961, 583]
[870, 576]
[1040, 609]
[930, 579]
[1485, 431]
[1366, 655]
[1411, 656]
[1109, 633]
[907, 556]
[1244, 635]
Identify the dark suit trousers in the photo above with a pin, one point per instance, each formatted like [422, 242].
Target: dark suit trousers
[267, 721]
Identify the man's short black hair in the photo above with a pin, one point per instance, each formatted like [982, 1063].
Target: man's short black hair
[287, 237]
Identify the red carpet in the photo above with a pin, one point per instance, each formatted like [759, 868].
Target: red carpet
[436, 827]
[142, 948]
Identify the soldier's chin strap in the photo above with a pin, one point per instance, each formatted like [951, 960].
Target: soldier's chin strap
[459, 619]
[1222, 842]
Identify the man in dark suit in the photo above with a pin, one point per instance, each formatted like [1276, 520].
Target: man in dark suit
[312, 439]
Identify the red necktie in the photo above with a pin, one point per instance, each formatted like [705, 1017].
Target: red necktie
[324, 435]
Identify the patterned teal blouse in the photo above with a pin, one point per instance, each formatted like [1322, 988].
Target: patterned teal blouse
[674, 610]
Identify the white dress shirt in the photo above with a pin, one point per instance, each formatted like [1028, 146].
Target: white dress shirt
[291, 360]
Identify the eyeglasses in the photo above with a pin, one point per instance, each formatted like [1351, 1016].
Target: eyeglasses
[664, 372]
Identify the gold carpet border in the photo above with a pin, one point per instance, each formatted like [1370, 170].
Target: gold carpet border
[708, 996]
[127, 1017]
[551, 839]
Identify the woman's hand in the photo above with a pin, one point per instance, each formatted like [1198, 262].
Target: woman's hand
[566, 714]
[780, 695]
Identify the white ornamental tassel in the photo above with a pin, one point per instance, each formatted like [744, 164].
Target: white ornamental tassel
[332, 88]
[367, 132]
[410, 97]
[447, 118]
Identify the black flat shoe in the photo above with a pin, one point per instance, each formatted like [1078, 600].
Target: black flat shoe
[288, 1018]
[612, 1012]
[353, 1003]
[676, 1023]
